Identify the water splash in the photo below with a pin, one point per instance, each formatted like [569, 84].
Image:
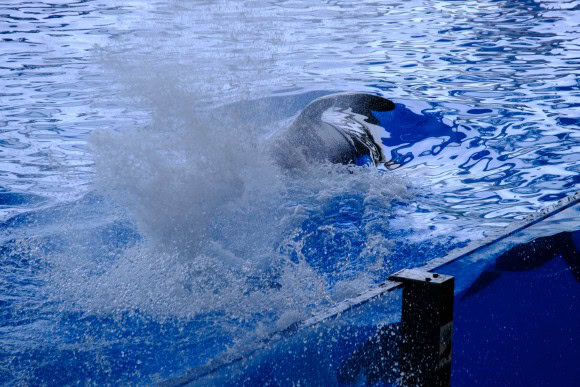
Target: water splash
[119, 283]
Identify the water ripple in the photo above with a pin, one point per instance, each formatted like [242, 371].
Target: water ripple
[491, 132]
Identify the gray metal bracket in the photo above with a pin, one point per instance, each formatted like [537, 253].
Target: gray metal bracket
[427, 327]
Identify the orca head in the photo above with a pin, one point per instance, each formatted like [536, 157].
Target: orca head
[339, 128]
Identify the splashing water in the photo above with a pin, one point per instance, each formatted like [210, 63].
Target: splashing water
[175, 235]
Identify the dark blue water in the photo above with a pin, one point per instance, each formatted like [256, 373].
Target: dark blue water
[517, 318]
[145, 228]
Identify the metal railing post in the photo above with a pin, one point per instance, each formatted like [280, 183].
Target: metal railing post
[427, 327]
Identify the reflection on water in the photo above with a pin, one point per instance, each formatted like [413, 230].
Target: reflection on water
[503, 73]
[184, 96]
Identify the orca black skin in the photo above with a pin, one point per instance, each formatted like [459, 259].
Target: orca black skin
[335, 128]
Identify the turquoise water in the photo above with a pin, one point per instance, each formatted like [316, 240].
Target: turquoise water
[145, 228]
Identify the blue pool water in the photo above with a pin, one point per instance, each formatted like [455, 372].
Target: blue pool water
[144, 227]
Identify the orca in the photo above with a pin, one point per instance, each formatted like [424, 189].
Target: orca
[529, 256]
[339, 128]
[362, 129]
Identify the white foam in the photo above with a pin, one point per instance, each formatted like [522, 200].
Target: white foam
[221, 222]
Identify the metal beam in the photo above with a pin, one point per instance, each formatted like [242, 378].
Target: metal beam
[427, 327]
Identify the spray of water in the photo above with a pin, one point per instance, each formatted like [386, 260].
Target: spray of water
[223, 227]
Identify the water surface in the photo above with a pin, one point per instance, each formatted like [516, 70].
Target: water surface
[145, 228]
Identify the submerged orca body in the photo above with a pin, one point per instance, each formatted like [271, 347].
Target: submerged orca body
[361, 129]
[337, 128]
